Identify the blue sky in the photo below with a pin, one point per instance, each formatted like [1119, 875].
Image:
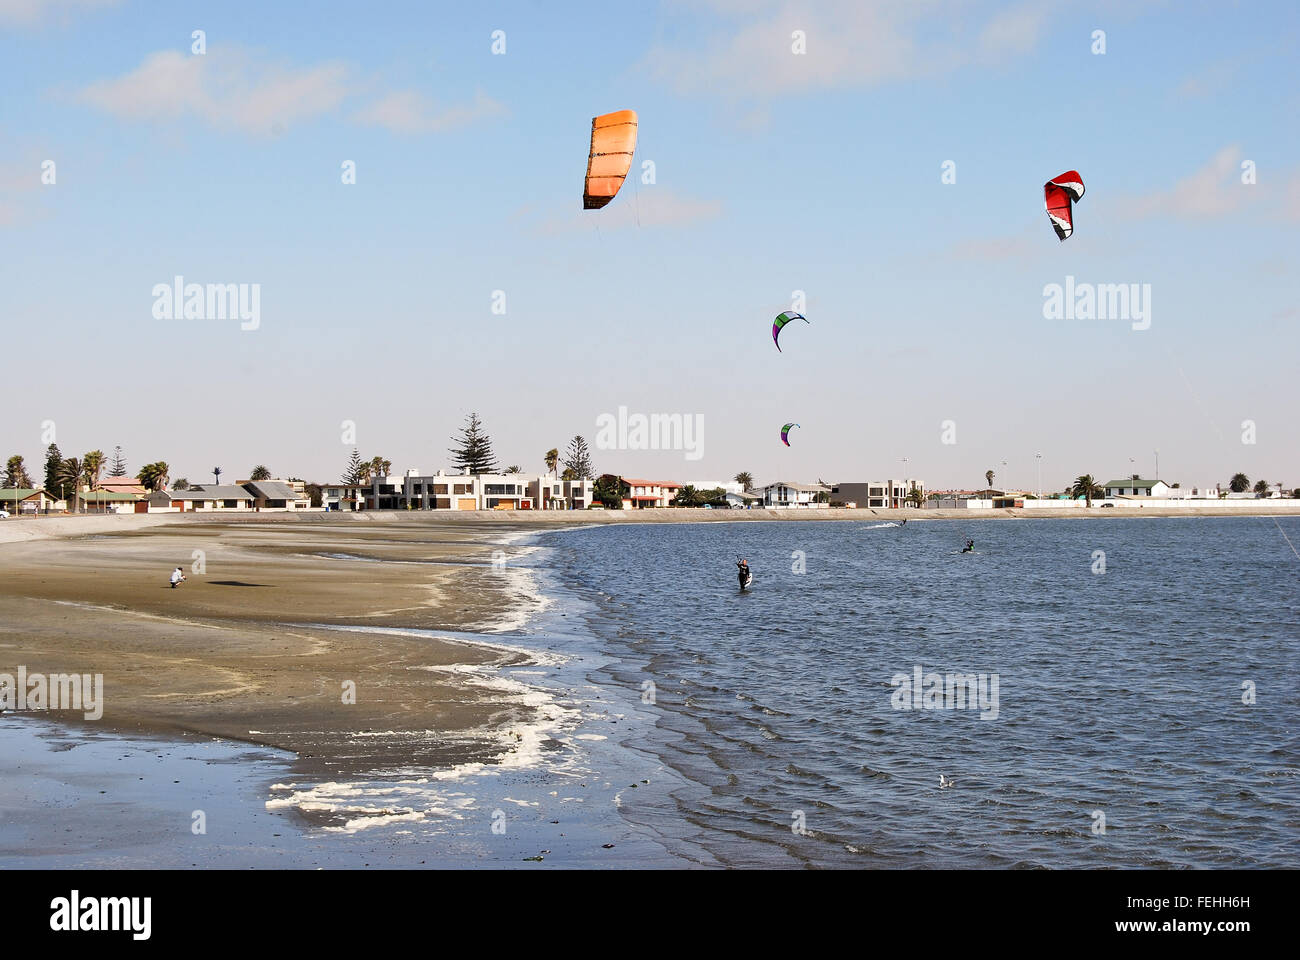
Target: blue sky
[774, 172]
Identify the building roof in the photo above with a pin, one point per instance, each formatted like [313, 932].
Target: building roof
[271, 490]
[651, 483]
[213, 491]
[108, 496]
[121, 484]
[22, 493]
[797, 487]
[1130, 482]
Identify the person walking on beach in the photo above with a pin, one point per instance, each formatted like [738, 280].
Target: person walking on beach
[177, 577]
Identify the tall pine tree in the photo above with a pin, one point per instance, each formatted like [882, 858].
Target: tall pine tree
[473, 450]
[578, 459]
[53, 467]
[117, 466]
[353, 473]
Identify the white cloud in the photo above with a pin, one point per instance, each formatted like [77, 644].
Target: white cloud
[32, 11]
[849, 43]
[407, 111]
[1212, 191]
[227, 89]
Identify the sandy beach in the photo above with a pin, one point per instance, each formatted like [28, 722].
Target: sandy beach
[238, 651]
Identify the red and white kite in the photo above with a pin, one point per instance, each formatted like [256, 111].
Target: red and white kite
[1060, 194]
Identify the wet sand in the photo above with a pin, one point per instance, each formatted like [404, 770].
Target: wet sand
[231, 652]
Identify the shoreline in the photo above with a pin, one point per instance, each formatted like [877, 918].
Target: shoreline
[460, 696]
[62, 526]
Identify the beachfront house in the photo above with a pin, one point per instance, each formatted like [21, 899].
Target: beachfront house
[649, 494]
[343, 496]
[876, 493]
[553, 493]
[108, 501]
[784, 494]
[211, 497]
[275, 495]
[1136, 487]
[483, 491]
[20, 500]
[743, 500]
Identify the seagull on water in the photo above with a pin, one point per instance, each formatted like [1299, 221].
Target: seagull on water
[945, 782]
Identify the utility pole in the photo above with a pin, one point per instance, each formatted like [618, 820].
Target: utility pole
[1039, 458]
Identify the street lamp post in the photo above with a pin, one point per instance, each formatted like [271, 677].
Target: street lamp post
[1039, 458]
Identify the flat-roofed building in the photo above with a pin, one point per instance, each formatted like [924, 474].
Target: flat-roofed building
[890, 494]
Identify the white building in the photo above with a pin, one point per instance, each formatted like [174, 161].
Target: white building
[784, 494]
[212, 496]
[554, 493]
[1137, 487]
[481, 491]
[726, 486]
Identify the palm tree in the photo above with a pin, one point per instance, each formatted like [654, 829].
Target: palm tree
[745, 479]
[1279, 487]
[1085, 486]
[1261, 486]
[1239, 483]
[259, 472]
[552, 459]
[69, 474]
[181, 484]
[915, 496]
[153, 476]
[92, 466]
[514, 468]
[687, 496]
[988, 475]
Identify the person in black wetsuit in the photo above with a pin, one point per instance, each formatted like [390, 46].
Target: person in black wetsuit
[969, 548]
[742, 570]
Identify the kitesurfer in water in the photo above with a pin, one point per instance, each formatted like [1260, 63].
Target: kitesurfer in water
[742, 570]
[969, 548]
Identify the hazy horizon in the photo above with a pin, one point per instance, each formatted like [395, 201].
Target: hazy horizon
[774, 172]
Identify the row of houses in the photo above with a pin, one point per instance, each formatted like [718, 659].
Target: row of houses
[122, 495]
[414, 490]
